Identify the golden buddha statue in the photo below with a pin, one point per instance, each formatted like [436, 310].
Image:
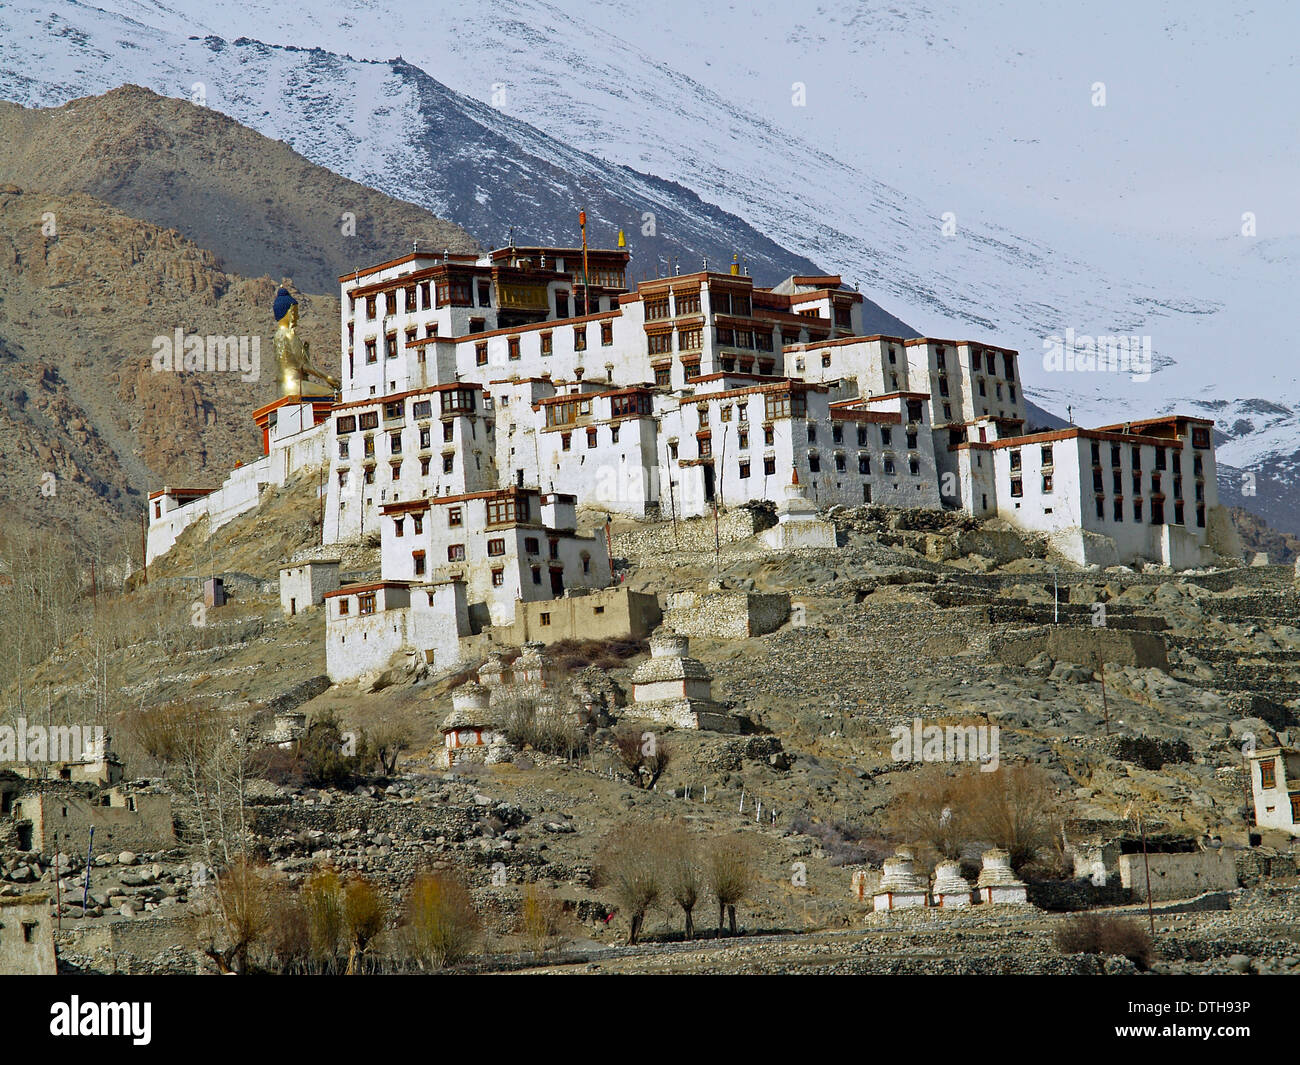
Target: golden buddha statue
[293, 354]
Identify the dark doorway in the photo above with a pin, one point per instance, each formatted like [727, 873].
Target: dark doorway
[708, 484]
[557, 581]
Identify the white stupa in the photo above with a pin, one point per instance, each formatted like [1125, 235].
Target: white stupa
[901, 887]
[674, 689]
[951, 890]
[997, 883]
[798, 523]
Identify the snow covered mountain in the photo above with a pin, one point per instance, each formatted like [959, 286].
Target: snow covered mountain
[1108, 169]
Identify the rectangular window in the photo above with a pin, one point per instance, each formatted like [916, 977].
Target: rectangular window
[370, 351]
[398, 526]
[606, 334]
[1118, 514]
[1137, 510]
[769, 466]
[579, 338]
[418, 558]
[532, 545]
[1267, 773]
[455, 517]
[663, 375]
[343, 607]
[456, 553]
[1017, 487]
[864, 465]
[496, 546]
[660, 343]
[498, 578]
[512, 348]
[366, 603]
[370, 420]
[591, 439]
[744, 469]
[546, 343]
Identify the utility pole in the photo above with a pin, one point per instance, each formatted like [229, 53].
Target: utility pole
[144, 543]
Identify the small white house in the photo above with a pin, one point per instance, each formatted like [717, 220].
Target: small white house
[304, 584]
[1275, 786]
[366, 625]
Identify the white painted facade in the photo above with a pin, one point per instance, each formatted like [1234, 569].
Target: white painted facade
[506, 546]
[1275, 786]
[366, 625]
[303, 585]
[1111, 496]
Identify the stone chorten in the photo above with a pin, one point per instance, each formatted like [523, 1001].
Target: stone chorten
[951, 890]
[798, 524]
[675, 689]
[534, 667]
[470, 732]
[494, 672]
[901, 887]
[997, 883]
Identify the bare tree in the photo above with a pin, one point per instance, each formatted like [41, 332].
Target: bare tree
[629, 861]
[322, 900]
[729, 870]
[931, 810]
[365, 911]
[440, 925]
[244, 909]
[684, 875]
[644, 753]
[539, 918]
[1016, 807]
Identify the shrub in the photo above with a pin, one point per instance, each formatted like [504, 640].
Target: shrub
[644, 753]
[324, 763]
[539, 918]
[322, 901]
[440, 924]
[365, 910]
[547, 728]
[1092, 933]
[843, 843]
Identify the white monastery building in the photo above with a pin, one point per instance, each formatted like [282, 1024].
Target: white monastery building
[482, 400]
